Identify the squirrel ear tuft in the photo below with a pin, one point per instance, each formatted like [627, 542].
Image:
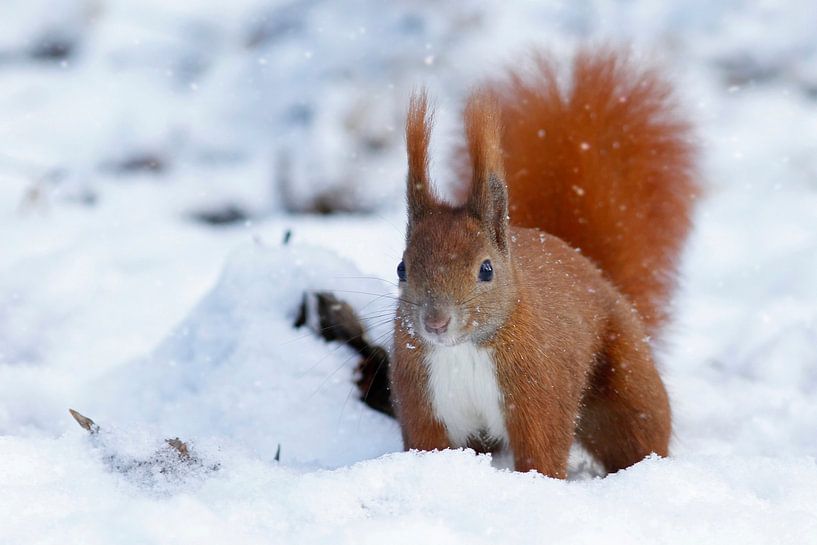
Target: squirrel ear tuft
[488, 198]
[418, 135]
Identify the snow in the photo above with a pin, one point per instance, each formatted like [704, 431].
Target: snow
[115, 302]
[436, 498]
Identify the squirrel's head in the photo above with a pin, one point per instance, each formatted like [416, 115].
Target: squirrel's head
[456, 278]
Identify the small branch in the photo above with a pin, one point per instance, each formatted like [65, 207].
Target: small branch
[180, 446]
[85, 422]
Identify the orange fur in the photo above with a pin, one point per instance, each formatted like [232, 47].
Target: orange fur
[418, 134]
[483, 135]
[606, 165]
[605, 168]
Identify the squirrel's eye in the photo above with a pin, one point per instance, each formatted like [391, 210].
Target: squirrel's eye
[401, 272]
[486, 271]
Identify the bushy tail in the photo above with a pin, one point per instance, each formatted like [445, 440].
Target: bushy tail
[604, 164]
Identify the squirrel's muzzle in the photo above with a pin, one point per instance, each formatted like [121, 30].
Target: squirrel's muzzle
[436, 320]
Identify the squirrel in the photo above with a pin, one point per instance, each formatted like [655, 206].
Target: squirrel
[526, 313]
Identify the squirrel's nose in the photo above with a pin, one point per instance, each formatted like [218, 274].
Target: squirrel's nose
[437, 323]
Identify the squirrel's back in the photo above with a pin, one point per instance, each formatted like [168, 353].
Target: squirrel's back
[605, 165]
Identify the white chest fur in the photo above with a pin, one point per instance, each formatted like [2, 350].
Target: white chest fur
[464, 392]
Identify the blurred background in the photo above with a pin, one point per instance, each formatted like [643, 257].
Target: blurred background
[259, 107]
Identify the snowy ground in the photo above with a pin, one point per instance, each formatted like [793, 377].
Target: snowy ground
[115, 302]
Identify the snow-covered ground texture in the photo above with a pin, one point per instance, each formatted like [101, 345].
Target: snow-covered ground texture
[122, 121]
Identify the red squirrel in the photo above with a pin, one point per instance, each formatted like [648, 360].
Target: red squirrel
[525, 313]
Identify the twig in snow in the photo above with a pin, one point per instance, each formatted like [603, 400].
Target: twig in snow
[173, 461]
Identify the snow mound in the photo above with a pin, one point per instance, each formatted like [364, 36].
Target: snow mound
[238, 369]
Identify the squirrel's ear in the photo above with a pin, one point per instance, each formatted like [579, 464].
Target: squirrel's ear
[418, 134]
[488, 198]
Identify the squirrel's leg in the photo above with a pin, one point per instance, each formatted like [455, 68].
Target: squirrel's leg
[420, 428]
[540, 429]
[626, 413]
[541, 446]
[421, 431]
